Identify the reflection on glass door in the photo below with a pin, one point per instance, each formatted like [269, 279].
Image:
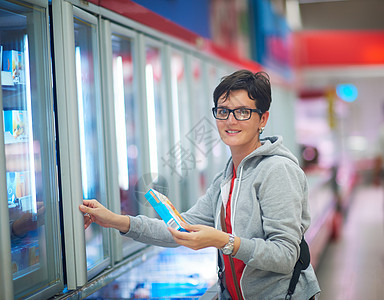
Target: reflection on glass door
[201, 115]
[157, 115]
[218, 150]
[91, 135]
[183, 162]
[29, 150]
[126, 123]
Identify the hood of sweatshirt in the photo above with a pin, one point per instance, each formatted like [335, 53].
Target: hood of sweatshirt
[270, 146]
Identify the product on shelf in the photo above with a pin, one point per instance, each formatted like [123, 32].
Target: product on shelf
[16, 122]
[13, 64]
[11, 188]
[19, 190]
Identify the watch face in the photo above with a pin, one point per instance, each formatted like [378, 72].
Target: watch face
[228, 249]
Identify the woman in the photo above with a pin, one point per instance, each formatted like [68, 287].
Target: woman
[260, 196]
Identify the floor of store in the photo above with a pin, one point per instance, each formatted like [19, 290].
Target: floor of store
[353, 267]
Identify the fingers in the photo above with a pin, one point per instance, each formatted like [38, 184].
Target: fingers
[85, 209]
[178, 234]
[185, 235]
[198, 237]
[91, 203]
[187, 239]
[87, 221]
[40, 210]
[189, 227]
[88, 205]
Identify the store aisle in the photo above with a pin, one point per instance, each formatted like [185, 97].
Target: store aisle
[353, 267]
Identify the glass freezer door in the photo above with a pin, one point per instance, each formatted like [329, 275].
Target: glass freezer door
[92, 156]
[217, 149]
[161, 148]
[183, 163]
[29, 150]
[202, 122]
[127, 123]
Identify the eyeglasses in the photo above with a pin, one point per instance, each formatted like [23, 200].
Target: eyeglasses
[240, 114]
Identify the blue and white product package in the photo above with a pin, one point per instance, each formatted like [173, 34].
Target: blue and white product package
[165, 209]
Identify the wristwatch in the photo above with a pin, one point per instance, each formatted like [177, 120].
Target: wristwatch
[228, 248]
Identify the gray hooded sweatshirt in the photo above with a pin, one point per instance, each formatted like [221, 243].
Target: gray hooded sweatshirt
[269, 212]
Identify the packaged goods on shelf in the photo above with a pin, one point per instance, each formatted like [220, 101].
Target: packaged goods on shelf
[13, 64]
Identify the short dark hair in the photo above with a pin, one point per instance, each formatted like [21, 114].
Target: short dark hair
[257, 85]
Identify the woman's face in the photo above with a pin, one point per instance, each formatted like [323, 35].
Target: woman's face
[241, 136]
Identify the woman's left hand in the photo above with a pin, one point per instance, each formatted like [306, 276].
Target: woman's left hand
[199, 236]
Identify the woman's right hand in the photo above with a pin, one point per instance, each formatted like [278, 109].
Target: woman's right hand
[95, 212]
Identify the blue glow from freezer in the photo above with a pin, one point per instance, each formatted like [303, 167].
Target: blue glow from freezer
[30, 131]
[81, 123]
[121, 130]
[153, 160]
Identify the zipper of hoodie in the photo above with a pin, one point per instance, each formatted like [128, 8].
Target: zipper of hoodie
[233, 212]
[236, 191]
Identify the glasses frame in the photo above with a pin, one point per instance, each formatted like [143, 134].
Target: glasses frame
[214, 111]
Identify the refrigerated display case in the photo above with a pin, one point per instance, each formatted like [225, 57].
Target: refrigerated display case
[123, 127]
[81, 138]
[159, 122]
[29, 147]
[183, 161]
[147, 126]
[201, 122]
[216, 150]
[91, 134]
[126, 107]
